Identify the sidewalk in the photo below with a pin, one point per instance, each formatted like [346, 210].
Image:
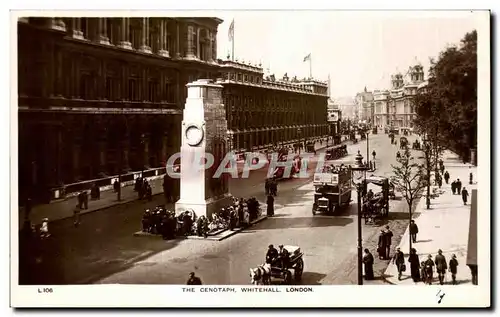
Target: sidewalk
[444, 226]
[64, 209]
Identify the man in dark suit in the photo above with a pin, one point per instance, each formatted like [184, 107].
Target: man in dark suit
[441, 266]
[193, 279]
[388, 241]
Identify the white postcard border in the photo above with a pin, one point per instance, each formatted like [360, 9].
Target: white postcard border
[321, 296]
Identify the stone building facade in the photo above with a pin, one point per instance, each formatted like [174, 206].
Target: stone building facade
[102, 96]
[394, 107]
[364, 106]
[263, 111]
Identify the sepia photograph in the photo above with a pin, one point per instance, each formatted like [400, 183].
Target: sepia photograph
[257, 154]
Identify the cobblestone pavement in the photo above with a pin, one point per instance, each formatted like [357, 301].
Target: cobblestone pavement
[329, 242]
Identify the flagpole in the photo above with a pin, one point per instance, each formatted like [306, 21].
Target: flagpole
[310, 67]
[232, 42]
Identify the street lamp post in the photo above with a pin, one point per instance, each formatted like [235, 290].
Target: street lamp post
[428, 163]
[143, 141]
[298, 136]
[367, 147]
[359, 178]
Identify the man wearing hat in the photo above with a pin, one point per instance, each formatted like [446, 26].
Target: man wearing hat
[44, 228]
[441, 266]
[388, 241]
[399, 260]
[381, 247]
[271, 255]
[283, 257]
[193, 279]
[453, 268]
[428, 269]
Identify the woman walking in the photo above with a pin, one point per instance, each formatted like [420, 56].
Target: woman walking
[414, 265]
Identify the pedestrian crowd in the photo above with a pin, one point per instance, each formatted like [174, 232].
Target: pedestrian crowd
[162, 221]
[419, 271]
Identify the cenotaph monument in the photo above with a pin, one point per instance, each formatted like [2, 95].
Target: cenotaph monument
[204, 130]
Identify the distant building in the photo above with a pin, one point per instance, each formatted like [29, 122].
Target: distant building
[347, 106]
[394, 107]
[364, 105]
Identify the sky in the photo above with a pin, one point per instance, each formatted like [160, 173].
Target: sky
[355, 48]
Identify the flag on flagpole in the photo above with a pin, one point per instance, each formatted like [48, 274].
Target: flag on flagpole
[307, 58]
[230, 33]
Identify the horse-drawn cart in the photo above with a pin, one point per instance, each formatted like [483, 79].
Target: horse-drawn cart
[264, 274]
[296, 263]
[376, 206]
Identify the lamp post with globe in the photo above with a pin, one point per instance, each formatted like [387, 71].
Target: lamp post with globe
[359, 180]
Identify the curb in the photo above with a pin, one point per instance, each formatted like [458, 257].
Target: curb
[224, 234]
[114, 204]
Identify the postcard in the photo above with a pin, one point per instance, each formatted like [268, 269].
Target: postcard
[250, 158]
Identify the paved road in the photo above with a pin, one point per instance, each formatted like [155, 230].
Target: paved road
[329, 243]
[103, 244]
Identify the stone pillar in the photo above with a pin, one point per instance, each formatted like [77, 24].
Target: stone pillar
[76, 152]
[103, 32]
[198, 44]
[102, 158]
[145, 48]
[177, 41]
[204, 122]
[214, 46]
[190, 42]
[210, 47]
[163, 38]
[125, 146]
[125, 34]
[57, 24]
[145, 158]
[77, 28]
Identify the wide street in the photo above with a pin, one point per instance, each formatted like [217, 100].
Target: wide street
[329, 242]
[104, 250]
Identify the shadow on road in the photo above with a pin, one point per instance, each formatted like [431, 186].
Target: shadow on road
[312, 278]
[102, 245]
[302, 222]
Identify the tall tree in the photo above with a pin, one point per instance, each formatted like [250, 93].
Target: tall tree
[447, 109]
[409, 179]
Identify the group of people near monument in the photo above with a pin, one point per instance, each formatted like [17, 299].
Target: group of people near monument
[162, 221]
[143, 188]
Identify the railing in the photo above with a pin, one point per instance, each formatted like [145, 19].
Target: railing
[72, 190]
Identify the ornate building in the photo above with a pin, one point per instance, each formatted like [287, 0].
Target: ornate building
[100, 96]
[262, 112]
[394, 108]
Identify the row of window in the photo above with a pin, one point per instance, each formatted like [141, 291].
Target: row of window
[246, 141]
[257, 120]
[90, 30]
[241, 77]
[136, 90]
[239, 103]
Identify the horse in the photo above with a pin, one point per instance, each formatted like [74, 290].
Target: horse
[261, 275]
